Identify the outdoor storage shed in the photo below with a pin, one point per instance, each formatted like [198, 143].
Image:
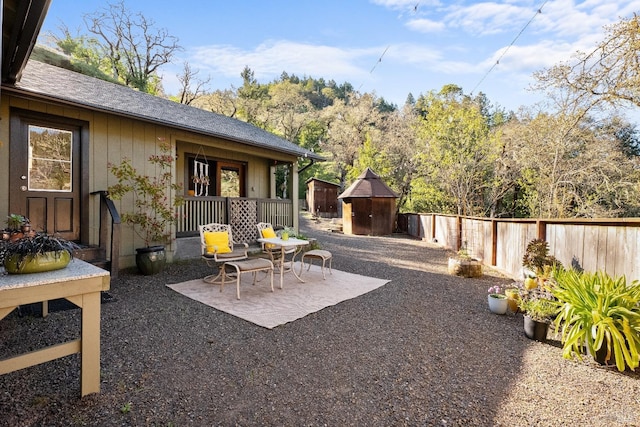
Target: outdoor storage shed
[368, 206]
[322, 198]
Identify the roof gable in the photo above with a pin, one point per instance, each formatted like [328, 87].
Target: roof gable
[60, 84]
[368, 185]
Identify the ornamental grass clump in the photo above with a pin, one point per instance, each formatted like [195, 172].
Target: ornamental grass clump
[601, 314]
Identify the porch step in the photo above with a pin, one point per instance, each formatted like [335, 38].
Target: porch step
[93, 255]
[90, 253]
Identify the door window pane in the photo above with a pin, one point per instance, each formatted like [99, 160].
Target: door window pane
[50, 159]
[230, 183]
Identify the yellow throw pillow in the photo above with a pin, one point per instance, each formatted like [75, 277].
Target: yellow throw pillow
[268, 233]
[217, 239]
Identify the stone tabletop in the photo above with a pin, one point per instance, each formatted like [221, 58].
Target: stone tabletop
[77, 269]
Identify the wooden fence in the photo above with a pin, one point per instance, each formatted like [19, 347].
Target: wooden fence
[610, 245]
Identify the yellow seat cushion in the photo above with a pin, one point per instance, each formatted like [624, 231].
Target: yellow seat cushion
[217, 239]
[268, 233]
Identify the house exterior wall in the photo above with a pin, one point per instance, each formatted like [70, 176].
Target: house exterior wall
[113, 137]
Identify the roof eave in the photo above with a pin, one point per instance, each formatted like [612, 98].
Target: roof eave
[22, 36]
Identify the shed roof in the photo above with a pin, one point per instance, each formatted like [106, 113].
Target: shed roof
[323, 181]
[55, 83]
[368, 185]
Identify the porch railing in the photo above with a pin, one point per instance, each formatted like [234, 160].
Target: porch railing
[109, 232]
[242, 213]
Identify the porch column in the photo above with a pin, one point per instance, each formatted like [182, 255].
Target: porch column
[272, 182]
[294, 194]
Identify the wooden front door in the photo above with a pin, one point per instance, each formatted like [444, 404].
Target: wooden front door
[45, 178]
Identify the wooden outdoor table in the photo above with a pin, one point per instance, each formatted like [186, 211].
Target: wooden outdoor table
[81, 284]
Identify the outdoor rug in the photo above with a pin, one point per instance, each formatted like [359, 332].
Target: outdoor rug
[264, 308]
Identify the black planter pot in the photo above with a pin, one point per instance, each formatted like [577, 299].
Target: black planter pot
[150, 260]
[535, 330]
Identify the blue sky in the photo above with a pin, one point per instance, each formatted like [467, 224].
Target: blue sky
[426, 44]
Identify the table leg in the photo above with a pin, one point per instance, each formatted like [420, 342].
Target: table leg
[293, 261]
[282, 266]
[90, 346]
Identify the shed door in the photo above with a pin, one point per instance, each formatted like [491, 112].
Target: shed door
[44, 180]
[320, 199]
[361, 216]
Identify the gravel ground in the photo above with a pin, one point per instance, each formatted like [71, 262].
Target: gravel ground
[423, 350]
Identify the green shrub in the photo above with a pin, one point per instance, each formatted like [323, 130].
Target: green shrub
[598, 310]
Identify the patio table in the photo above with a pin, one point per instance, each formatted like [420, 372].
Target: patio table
[81, 284]
[298, 244]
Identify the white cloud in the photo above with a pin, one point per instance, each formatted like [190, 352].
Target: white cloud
[404, 4]
[488, 18]
[271, 58]
[425, 25]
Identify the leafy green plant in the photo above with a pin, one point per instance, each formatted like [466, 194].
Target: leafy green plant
[599, 312]
[538, 307]
[15, 221]
[126, 408]
[154, 208]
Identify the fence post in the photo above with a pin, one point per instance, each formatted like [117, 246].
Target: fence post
[433, 226]
[459, 226]
[542, 229]
[494, 242]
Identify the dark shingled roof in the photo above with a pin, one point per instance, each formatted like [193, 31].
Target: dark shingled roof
[59, 84]
[368, 185]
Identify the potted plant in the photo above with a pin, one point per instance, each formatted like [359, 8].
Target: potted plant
[498, 303]
[539, 308]
[538, 263]
[601, 315]
[36, 252]
[512, 293]
[17, 226]
[153, 211]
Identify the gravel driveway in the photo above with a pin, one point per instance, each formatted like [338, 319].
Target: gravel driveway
[423, 350]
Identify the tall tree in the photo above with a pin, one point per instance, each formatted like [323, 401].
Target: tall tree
[348, 127]
[133, 47]
[252, 98]
[191, 87]
[459, 151]
[289, 109]
[609, 73]
[572, 166]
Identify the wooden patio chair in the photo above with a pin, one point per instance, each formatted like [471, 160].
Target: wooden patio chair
[217, 247]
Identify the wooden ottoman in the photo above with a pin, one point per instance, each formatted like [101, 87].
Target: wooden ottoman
[319, 254]
[253, 265]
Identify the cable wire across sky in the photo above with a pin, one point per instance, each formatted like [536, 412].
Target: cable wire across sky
[539, 11]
